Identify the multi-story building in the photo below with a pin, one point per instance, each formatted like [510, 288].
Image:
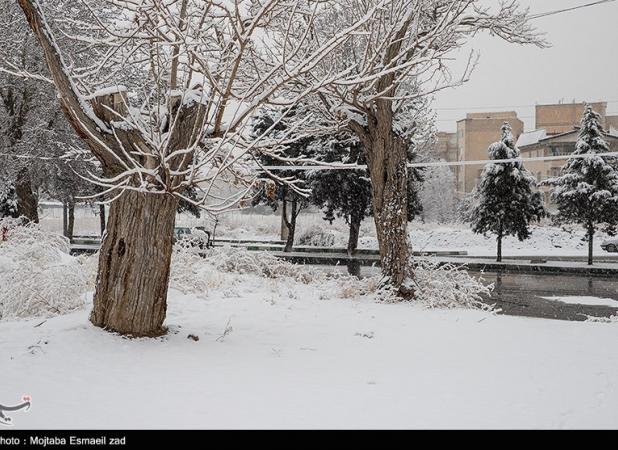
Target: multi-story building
[563, 117]
[475, 134]
[446, 146]
[555, 134]
[537, 144]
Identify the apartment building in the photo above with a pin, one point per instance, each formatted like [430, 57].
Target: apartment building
[475, 134]
[556, 129]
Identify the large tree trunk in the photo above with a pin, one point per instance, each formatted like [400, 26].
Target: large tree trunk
[355, 222]
[27, 202]
[499, 256]
[387, 163]
[134, 265]
[134, 261]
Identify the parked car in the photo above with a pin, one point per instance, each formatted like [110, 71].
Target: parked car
[195, 237]
[610, 245]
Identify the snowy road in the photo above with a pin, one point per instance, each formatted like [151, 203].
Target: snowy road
[526, 295]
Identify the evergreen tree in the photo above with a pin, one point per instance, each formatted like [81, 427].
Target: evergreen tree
[504, 201]
[347, 193]
[8, 201]
[586, 192]
[279, 192]
[341, 193]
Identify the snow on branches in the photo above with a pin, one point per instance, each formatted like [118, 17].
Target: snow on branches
[505, 203]
[586, 192]
[587, 188]
[162, 92]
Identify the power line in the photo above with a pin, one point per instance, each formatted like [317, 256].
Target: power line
[443, 163]
[510, 106]
[573, 8]
[423, 164]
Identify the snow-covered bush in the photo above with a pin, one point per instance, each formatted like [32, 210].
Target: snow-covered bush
[38, 277]
[316, 236]
[243, 261]
[189, 272]
[435, 285]
[610, 319]
[448, 286]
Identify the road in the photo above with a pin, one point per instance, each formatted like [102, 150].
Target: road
[521, 295]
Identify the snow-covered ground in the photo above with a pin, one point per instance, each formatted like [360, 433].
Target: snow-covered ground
[545, 240]
[259, 343]
[299, 358]
[313, 230]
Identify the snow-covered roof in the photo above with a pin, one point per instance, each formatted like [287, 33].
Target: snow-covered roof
[531, 137]
[538, 136]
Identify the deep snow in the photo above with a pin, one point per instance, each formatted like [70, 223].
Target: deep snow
[297, 358]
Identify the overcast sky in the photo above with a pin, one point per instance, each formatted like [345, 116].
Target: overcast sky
[582, 64]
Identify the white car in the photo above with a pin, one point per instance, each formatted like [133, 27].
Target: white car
[610, 245]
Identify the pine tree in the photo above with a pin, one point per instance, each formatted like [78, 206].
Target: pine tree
[8, 201]
[586, 192]
[342, 193]
[280, 192]
[504, 201]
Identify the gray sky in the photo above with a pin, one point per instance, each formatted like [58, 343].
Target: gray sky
[582, 64]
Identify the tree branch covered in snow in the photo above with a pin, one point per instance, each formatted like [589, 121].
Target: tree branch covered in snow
[162, 92]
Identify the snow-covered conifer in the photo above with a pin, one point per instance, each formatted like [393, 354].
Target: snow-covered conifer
[586, 191]
[8, 201]
[505, 202]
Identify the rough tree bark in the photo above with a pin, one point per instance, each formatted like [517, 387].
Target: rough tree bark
[134, 264]
[387, 158]
[27, 202]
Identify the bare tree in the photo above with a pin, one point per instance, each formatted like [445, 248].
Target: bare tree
[397, 58]
[161, 93]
